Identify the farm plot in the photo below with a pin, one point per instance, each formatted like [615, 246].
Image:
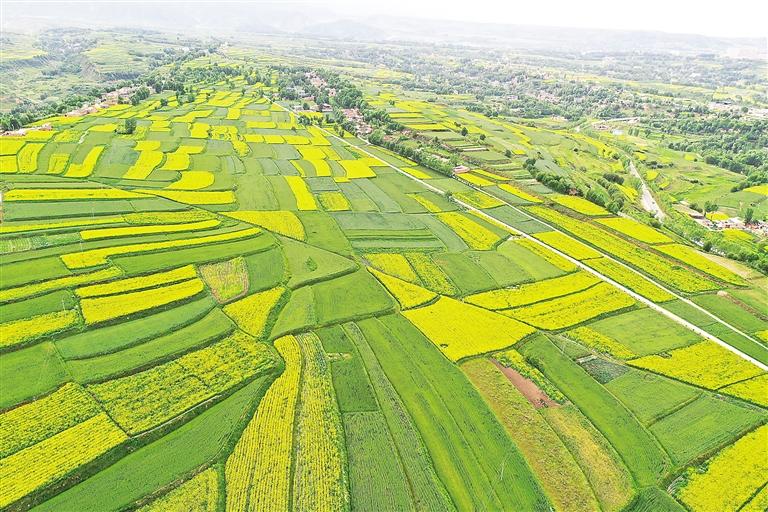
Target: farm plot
[461, 330]
[428, 385]
[573, 309]
[266, 445]
[731, 477]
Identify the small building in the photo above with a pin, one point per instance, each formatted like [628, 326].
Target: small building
[460, 169]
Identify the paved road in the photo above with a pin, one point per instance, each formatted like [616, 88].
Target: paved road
[672, 316]
[646, 198]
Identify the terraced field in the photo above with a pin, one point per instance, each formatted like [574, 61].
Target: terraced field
[231, 308]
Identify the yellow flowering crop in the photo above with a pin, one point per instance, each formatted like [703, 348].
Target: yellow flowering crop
[461, 330]
[266, 445]
[146, 163]
[138, 283]
[86, 168]
[58, 162]
[695, 259]
[573, 309]
[93, 257]
[580, 205]
[38, 420]
[321, 166]
[67, 194]
[506, 187]
[357, 168]
[39, 288]
[407, 294]
[754, 390]
[704, 364]
[731, 477]
[475, 235]
[198, 494]
[304, 198]
[476, 180]
[394, 264]
[193, 180]
[54, 458]
[533, 292]
[426, 203]
[479, 199]
[417, 173]
[27, 157]
[631, 280]
[333, 201]
[320, 477]
[30, 329]
[252, 312]
[567, 245]
[600, 342]
[282, 222]
[105, 308]
[430, 274]
[636, 230]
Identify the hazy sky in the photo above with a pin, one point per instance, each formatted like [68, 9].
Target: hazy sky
[732, 18]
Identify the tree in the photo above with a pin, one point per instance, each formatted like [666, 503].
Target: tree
[749, 215]
[482, 136]
[464, 131]
[508, 153]
[128, 127]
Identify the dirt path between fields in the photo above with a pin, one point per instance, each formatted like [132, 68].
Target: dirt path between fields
[527, 387]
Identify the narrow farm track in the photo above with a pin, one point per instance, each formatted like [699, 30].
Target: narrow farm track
[647, 200]
[672, 316]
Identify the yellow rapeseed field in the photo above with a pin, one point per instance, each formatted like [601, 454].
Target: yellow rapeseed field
[697, 260]
[599, 342]
[93, 257]
[506, 187]
[333, 201]
[101, 309]
[198, 494]
[320, 476]
[54, 458]
[475, 235]
[704, 364]
[533, 292]
[636, 230]
[35, 421]
[29, 290]
[567, 245]
[754, 390]
[138, 283]
[407, 294]
[193, 180]
[67, 194]
[394, 264]
[29, 329]
[430, 274]
[266, 445]
[305, 200]
[573, 309]
[580, 205]
[731, 477]
[461, 330]
[86, 168]
[252, 312]
[282, 222]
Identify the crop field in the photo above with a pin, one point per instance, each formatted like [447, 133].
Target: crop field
[235, 304]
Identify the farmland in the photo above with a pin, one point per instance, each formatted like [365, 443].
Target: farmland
[215, 298]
